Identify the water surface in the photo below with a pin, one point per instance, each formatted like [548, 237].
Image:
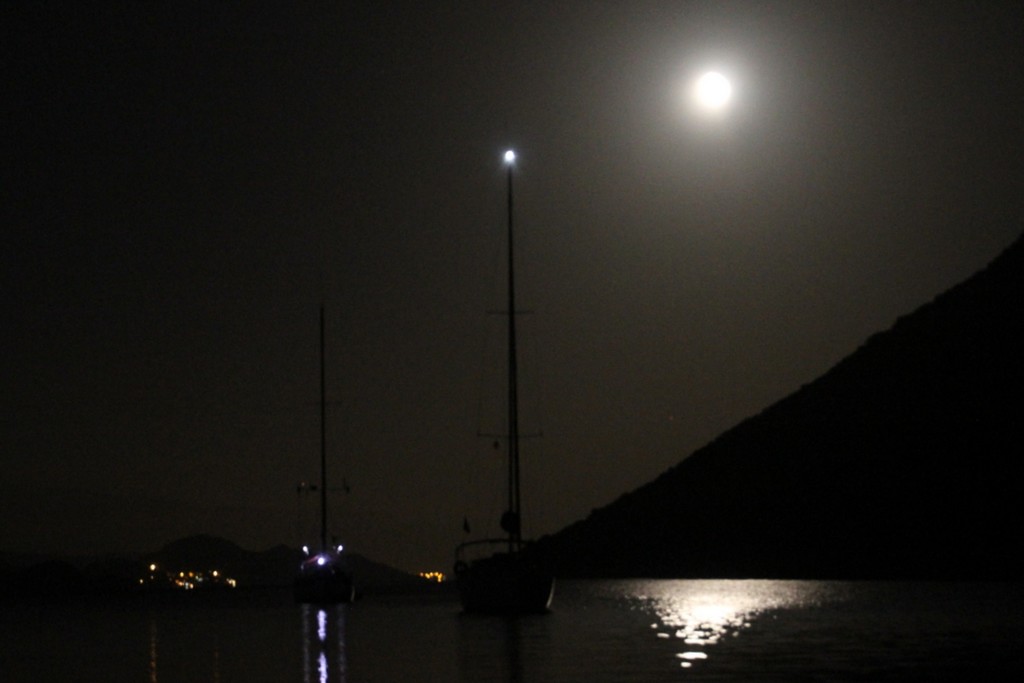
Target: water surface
[597, 631]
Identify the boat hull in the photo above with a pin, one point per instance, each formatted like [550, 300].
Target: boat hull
[328, 582]
[504, 584]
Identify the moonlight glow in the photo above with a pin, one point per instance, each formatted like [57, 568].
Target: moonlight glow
[713, 90]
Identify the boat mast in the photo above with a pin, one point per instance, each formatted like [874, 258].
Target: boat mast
[514, 526]
[323, 441]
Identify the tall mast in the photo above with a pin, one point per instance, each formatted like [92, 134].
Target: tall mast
[323, 441]
[514, 531]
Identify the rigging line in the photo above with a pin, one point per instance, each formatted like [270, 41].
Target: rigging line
[495, 282]
[531, 435]
[531, 380]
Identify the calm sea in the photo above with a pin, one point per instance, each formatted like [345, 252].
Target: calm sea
[597, 631]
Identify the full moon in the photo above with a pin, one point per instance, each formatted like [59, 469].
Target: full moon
[713, 90]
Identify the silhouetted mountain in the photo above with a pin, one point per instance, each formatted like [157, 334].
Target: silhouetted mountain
[901, 461]
[201, 551]
[274, 567]
[63, 578]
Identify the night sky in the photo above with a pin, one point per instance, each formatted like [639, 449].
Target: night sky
[184, 184]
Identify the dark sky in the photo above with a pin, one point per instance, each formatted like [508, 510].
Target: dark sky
[185, 183]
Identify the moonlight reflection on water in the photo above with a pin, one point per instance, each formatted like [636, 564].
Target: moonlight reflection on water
[703, 613]
[608, 631]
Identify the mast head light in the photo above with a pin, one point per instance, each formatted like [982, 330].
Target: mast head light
[510, 157]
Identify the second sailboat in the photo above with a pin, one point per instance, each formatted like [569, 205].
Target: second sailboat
[512, 580]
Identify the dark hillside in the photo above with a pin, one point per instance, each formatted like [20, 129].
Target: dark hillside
[274, 567]
[901, 461]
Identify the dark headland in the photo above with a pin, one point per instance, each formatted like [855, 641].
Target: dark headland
[195, 565]
[902, 461]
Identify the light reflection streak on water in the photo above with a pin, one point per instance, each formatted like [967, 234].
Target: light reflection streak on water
[702, 613]
[155, 643]
[323, 644]
[152, 650]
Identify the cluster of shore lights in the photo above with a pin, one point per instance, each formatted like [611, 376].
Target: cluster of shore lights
[184, 580]
[437, 577]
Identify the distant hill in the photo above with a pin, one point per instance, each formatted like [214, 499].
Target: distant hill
[273, 568]
[902, 461]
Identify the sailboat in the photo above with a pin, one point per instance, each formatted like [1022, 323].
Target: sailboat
[324, 576]
[513, 579]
